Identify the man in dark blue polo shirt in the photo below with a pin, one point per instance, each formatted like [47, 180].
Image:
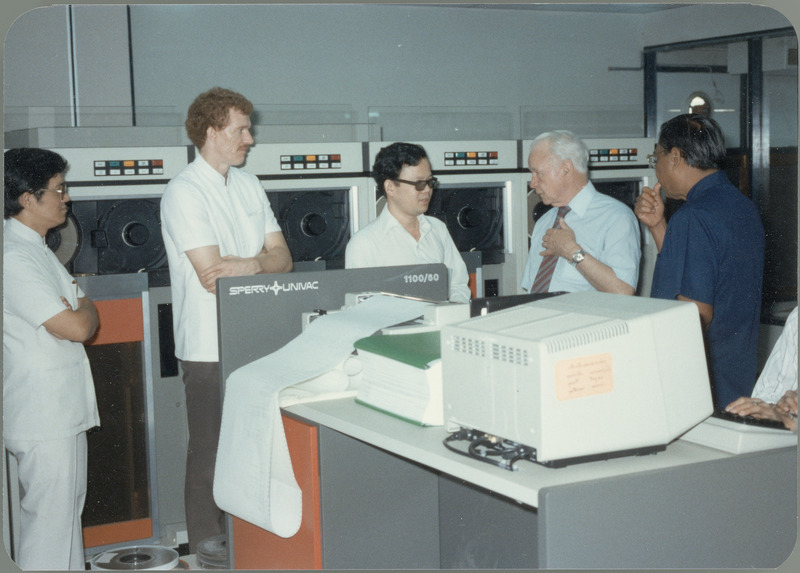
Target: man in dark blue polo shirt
[711, 252]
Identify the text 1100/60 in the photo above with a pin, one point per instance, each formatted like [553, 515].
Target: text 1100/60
[422, 278]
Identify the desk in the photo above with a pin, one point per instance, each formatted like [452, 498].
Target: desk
[391, 496]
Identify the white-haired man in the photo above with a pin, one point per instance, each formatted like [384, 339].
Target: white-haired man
[590, 241]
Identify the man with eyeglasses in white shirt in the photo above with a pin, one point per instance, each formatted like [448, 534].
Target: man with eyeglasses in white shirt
[48, 394]
[402, 234]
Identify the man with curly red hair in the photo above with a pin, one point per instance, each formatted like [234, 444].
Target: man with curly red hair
[217, 222]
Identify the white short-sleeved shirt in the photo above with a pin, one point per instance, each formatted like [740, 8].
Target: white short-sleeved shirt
[780, 371]
[199, 209]
[385, 243]
[48, 391]
[604, 227]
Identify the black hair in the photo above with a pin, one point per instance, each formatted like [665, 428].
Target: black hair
[698, 137]
[28, 170]
[391, 159]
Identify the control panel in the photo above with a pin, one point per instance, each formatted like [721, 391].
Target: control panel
[128, 167]
[622, 154]
[470, 158]
[310, 162]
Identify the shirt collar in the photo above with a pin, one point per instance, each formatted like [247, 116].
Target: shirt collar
[206, 169]
[24, 232]
[580, 203]
[388, 221]
[705, 184]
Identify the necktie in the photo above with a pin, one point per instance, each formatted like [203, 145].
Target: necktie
[542, 281]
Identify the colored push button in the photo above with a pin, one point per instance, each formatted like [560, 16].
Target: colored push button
[128, 167]
[310, 161]
[613, 154]
[470, 158]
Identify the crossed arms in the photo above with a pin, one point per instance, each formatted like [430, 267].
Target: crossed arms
[209, 264]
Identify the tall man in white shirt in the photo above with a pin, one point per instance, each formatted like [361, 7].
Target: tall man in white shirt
[217, 222]
[402, 234]
[590, 241]
[48, 393]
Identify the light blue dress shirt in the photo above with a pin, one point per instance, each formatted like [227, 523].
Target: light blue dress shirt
[604, 227]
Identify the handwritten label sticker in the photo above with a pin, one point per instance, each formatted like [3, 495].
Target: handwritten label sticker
[584, 376]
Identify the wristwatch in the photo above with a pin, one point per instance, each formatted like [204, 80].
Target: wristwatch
[578, 256]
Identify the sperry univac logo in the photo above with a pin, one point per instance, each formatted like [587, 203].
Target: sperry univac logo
[275, 288]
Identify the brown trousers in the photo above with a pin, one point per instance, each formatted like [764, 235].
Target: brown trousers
[204, 412]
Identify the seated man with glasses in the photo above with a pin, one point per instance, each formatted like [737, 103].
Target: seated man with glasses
[402, 234]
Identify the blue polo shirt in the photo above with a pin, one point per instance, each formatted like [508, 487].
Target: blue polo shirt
[713, 252]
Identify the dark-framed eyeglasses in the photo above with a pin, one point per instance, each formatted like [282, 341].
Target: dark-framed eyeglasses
[433, 183]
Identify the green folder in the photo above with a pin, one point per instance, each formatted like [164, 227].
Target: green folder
[417, 349]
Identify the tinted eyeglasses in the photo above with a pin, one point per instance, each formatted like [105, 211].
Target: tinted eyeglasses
[433, 183]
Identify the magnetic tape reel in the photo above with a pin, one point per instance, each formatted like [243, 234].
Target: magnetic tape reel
[316, 224]
[132, 239]
[140, 558]
[65, 240]
[118, 236]
[473, 215]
